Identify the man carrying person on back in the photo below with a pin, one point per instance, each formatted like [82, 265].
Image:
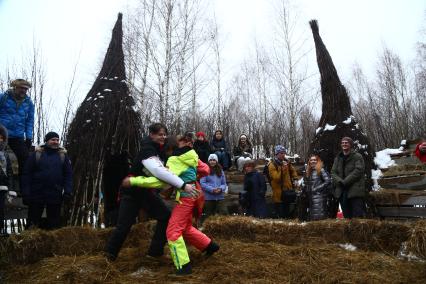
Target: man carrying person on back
[149, 162]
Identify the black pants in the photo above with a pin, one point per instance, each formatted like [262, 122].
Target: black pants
[21, 152]
[352, 207]
[3, 194]
[53, 212]
[132, 201]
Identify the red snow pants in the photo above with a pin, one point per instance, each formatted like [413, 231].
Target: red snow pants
[180, 224]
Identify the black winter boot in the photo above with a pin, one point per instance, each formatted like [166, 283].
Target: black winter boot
[211, 248]
[185, 270]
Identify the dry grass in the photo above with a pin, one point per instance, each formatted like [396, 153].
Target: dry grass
[372, 235]
[252, 251]
[417, 242]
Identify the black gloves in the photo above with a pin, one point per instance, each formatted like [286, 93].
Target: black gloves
[28, 143]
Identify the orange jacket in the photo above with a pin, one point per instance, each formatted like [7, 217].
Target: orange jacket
[282, 178]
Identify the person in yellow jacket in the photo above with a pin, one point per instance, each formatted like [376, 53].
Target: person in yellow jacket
[184, 163]
[282, 177]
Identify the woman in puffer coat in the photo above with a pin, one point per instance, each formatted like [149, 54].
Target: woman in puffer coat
[316, 188]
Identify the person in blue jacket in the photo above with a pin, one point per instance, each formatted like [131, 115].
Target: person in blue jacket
[214, 188]
[17, 115]
[255, 188]
[47, 182]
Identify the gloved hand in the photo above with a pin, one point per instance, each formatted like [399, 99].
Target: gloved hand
[28, 143]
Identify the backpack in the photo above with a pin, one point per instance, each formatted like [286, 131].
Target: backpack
[266, 170]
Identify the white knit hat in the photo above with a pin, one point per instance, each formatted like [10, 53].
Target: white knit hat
[213, 157]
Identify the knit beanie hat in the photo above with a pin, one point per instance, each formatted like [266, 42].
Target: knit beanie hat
[200, 133]
[50, 135]
[213, 157]
[280, 149]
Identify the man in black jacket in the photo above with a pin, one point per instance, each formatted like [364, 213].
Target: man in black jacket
[149, 162]
[47, 182]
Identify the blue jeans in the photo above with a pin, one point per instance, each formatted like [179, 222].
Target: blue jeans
[223, 159]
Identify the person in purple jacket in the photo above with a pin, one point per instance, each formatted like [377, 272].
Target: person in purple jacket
[214, 187]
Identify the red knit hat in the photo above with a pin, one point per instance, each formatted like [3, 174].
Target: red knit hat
[200, 133]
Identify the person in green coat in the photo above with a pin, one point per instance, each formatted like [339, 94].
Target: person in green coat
[349, 180]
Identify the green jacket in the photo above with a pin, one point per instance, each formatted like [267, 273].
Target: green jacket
[352, 175]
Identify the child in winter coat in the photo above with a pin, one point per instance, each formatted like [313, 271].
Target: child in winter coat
[214, 187]
[255, 188]
[6, 176]
[184, 163]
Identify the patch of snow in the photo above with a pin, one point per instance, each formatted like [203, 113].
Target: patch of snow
[403, 142]
[348, 247]
[115, 78]
[318, 130]
[329, 127]
[404, 254]
[357, 126]
[107, 90]
[97, 94]
[88, 99]
[383, 159]
[101, 97]
[348, 120]
[88, 121]
[375, 175]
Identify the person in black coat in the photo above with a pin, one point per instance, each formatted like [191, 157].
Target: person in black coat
[202, 147]
[220, 148]
[47, 182]
[255, 188]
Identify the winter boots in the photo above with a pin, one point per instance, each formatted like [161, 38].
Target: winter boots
[211, 248]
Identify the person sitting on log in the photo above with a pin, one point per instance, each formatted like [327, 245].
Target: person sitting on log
[184, 163]
[316, 188]
[420, 151]
[220, 148]
[202, 147]
[242, 152]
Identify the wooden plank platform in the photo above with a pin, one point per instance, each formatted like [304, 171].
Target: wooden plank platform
[402, 211]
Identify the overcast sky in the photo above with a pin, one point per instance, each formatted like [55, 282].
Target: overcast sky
[68, 32]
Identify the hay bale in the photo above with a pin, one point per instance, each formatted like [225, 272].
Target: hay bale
[34, 245]
[367, 234]
[236, 262]
[416, 244]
